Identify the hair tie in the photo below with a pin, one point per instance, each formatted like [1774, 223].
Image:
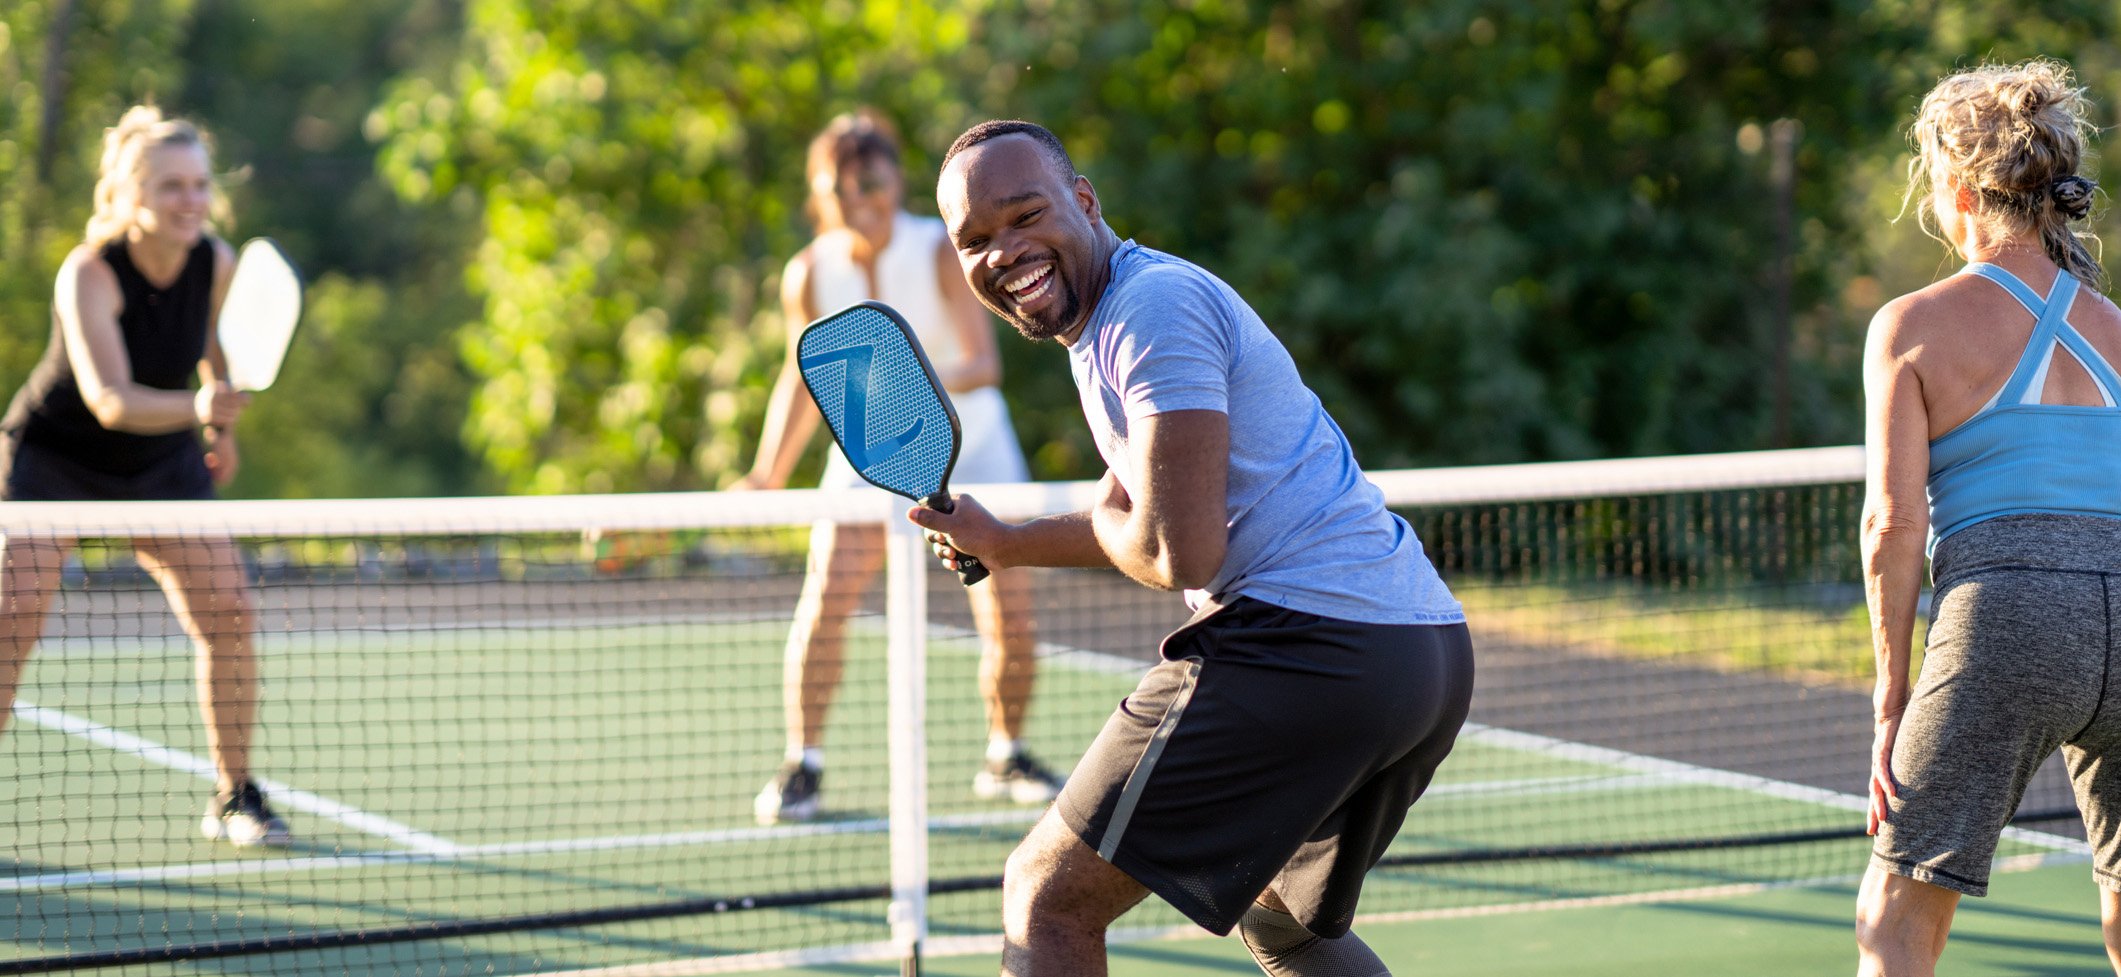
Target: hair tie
[2073, 196]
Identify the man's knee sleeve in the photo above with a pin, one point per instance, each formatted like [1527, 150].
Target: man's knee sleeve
[1284, 948]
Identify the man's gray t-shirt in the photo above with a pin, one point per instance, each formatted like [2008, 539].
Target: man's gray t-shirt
[1307, 531]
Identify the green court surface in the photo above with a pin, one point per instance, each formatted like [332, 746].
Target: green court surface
[437, 775]
[2040, 922]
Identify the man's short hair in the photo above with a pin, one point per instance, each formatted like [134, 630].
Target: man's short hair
[1056, 154]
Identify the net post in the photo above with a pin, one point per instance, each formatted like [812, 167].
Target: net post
[906, 610]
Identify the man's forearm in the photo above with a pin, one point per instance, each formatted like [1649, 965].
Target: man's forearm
[1065, 540]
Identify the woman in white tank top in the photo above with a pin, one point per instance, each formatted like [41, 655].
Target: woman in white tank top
[868, 248]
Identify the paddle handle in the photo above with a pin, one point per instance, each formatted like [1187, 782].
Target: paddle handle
[969, 569]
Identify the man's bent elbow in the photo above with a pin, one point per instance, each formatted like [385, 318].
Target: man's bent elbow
[1192, 570]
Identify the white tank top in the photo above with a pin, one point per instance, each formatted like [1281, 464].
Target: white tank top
[905, 278]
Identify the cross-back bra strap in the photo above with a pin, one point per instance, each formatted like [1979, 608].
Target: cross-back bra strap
[2019, 290]
[2101, 371]
[2045, 331]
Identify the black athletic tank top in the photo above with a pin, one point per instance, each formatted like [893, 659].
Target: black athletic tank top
[165, 337]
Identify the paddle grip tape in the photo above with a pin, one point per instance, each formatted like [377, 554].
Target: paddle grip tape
[969, 569]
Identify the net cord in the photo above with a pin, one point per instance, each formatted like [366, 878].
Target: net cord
[699, 510]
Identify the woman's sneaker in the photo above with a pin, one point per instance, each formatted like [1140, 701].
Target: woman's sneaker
[1019, 779]
[241, 818]
[792, 795]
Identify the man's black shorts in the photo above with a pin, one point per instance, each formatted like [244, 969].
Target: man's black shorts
[1270, 746]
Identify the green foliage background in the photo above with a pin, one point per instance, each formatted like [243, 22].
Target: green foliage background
[543, 236]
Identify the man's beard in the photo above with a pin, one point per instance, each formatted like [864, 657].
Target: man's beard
[1038, 329]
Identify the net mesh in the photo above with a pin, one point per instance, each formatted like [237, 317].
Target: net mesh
[518, 736]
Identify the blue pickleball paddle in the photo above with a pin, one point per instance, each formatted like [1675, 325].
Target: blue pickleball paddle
[882, 401]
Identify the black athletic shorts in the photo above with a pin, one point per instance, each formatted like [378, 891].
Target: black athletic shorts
[1274, 747]
[31, 473]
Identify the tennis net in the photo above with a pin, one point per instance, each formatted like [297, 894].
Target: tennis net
[526, 735]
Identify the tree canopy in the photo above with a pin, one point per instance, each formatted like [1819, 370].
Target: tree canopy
[544, 236]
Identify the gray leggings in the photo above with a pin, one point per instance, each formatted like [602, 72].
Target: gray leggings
[2019, 663]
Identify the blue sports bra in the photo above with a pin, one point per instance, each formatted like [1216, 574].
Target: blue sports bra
[2017, 455]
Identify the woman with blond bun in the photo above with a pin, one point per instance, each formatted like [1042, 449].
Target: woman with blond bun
[110, 413]
[867, 247]
[1993, 420]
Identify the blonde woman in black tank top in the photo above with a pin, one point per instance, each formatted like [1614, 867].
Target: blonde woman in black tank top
[110, 414]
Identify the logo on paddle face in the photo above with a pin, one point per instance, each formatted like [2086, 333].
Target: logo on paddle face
[854, 411]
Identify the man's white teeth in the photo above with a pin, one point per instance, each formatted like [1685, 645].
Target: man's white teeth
[1021, 285]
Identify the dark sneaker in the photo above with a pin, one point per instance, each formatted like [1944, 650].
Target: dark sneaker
[792, 795]
[1019, 779]
[241, 818]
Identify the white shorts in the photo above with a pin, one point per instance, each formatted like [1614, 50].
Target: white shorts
[988, 452]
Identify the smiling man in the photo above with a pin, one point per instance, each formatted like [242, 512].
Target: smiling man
[1264, 765]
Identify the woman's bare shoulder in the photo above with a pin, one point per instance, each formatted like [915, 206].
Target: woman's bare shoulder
[1922, 314]
[85, 268]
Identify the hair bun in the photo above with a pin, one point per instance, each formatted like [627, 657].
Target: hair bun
[2028, 99]
[2073, 196]
[136, 120]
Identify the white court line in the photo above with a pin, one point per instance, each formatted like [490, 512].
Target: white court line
[1671, 771]
[466, 853]
[1526, 787]
[1547, 786]
[1688, 773]
[681, 839]
[175, 759]
[774, 960]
